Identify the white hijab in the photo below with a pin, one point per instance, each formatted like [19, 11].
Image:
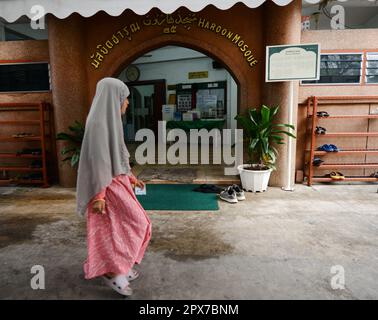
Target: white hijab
[103, 152]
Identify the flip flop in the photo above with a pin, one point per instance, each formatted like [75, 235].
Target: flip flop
[326, 147]
[119, 283]
[336, 175]
[334, 148]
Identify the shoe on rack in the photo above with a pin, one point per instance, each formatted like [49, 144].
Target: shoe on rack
[320, 130]
[322, 114]
[374, 175]
[334, 148]
[33, 151]
[22, 135]
[326, 148]
[317, 162]
[239, 192]
[336, 175]
[229, 195]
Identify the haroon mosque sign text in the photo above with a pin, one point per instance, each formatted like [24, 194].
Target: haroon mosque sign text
[169, 24]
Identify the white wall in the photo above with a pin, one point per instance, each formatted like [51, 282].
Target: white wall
[174, 63]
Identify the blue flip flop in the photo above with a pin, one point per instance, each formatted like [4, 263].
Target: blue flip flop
[326, 147]
[334, 148]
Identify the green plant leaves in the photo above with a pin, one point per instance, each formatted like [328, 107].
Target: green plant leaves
[74, 140]
[262, 134]
[75, 159]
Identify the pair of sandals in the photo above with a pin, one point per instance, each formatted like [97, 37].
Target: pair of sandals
[336, 175]
[120, 283]
[320, 130]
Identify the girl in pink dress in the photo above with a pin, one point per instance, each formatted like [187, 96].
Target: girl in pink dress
[118, 228]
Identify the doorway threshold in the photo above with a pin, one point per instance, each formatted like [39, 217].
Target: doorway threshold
[201, 174]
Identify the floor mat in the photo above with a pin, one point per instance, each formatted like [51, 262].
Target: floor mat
[179, 197]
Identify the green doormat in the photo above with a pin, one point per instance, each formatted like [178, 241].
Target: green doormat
[177, 197]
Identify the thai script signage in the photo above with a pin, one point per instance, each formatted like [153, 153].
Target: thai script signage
[170, 24]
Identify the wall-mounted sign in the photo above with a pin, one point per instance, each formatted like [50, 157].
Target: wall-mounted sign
[198, 75]
[234, 37]
[292, 62]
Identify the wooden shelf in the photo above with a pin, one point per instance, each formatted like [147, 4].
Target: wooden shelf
[347, 100]
[349, 116]
[14, 155]
[348, 134]
[21, 123]
[12, 139]
[19, 106]
[325, 166]
[44, 118]
[364, 179]
[345, 152]
[311, 137]
[23, 181]
[21, 169]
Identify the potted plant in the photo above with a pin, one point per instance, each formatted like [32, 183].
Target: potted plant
[74, 140]
[261, 134]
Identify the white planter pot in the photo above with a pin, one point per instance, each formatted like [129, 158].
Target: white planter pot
[254, 180]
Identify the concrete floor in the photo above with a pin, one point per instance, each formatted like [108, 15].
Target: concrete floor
[275, 245]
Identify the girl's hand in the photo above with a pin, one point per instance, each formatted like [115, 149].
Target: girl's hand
[98, 207]
[139, 184]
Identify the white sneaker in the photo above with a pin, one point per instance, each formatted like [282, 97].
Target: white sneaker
[229, 195]
[239, 192]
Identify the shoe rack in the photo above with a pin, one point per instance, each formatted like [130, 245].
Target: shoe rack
[24, 155]
[335, 161]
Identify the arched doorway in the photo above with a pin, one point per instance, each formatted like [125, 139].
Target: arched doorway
[185, 78]
[187, 89]
[236, 68]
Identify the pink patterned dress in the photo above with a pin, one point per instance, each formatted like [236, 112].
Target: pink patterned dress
[118, 238]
